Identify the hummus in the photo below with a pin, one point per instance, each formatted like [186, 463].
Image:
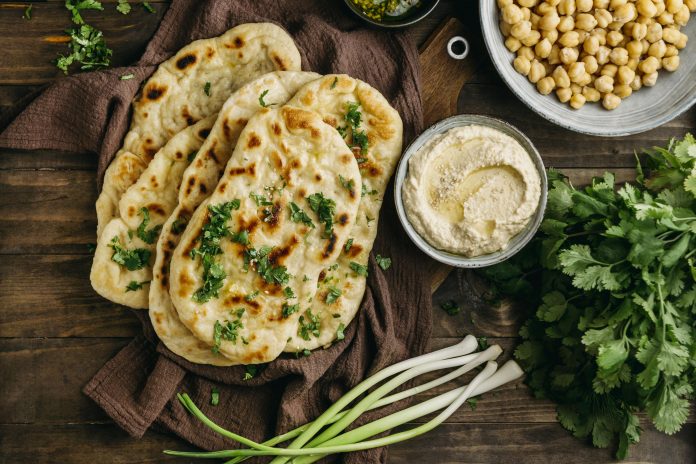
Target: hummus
[470, 190]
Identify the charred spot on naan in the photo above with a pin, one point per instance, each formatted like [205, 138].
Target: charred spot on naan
[211, 152]
[186, 61]
[235, 300]
[237, 42]
[343, 219]
[271, 220]
[330, 246]
[204, 133]
[331, 121]
[241, 170]
[277, 256]
[354, 250]
[185, 284]
[154, 92]
[253, 141]
[178, 155]
[276, 128]
[190, 120]
[297, 119]
[190, 184]
[280, 62]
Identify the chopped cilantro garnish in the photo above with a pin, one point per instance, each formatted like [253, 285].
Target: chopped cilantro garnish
[343, 131]
[383, 261]
[308, 325]
[340, 335]
[226, 331]
[251, 296]
[206, 88]
[333, 294]
[325, 209]
[211, 235]
[179, 225]
[287, 291]
[260, 259]
[367, 192]
[27, 12]
[261, 97]
[348, 245]
[241, 237]
[147, 236]
[87, 47]
[214, 396]
[297, 214]
[348, 184]
[127, 77]
[333, 84]
[358, 268]
[75, 6]
[360, 140]
[123, 7]
[451, 307]
[260, 200]
[287, 309]
[250, 371]
[131, 259]
[149, 8]
[353, 115]
[134, 285]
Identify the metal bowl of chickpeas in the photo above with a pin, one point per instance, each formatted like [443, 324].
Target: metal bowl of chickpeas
[599, 67]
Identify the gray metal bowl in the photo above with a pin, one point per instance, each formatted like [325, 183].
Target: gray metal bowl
[519, 240]
[407, 19]
[646, 109]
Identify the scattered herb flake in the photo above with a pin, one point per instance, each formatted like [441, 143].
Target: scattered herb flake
[130, 259]
[27, 12]
[87, 47]
[261, 97]
[147, 236]
[206, 88]
[308, 325]
[260, 260]
[340, 335]
[75, 6]
[134, 285]
[214, 396]
[260, 200]
[348, 245]
[358, 268]
[383, 262]
[333, 294]
[123, 7]
[251, 296]
[127, 77]
[325, 209]
[297, 214]
[149, 8]
[287, 291]
[333, 84]
[250, 371]
[226, 331]
[287, 309]
[451, 307]
[367, 192]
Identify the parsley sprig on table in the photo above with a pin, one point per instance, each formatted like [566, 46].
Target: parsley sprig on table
[87, 45]
[212, 234]
[615, 329]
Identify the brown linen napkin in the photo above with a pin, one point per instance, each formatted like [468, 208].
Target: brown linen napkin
[89, 113]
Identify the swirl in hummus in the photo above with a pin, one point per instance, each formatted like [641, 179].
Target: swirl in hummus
[470, 190]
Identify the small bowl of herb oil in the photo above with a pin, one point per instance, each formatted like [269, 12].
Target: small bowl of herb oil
[392, 13]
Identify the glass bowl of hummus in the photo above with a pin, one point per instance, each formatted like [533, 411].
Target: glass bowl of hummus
[471, 191]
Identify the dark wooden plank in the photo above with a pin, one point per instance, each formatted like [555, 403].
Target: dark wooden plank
[84, 444]
[31, 47]
[448, 444]
[46, 160]
[534, 444]
[50, 296]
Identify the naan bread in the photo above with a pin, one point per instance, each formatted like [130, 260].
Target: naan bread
[188, 87]
[156, 191]
[286, 154]
[199, 181]
[330, 96]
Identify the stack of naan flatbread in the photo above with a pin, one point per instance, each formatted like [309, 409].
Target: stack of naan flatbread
[243, 205]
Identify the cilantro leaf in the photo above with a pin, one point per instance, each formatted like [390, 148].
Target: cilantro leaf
[130, 259]
[123, 7]
[325, 208]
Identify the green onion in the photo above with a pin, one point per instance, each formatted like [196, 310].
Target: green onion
[334, 440]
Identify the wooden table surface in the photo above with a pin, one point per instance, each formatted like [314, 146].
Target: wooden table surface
[56, 332]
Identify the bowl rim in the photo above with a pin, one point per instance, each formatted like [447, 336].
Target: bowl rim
[519, 241]
[393, 25]
[563, 123]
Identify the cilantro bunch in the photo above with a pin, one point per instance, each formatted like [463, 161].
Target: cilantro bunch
[613, 274]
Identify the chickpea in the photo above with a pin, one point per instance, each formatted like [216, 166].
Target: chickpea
[505, 28]
[633, 63]
[536, 72]
[634, 49]
[576, 71]
[543, 48]
[585, 22]
[575, 88]
[528, 3]
[564, 94]
[671, 50]
[512, 44]
[649, 65]
[673, 5]
[681, 43]
[604, 84]
[660, 5]
[609, 70]
[568, 55]
[534, 19]
[671, 63]
[569, 39]
[591, 45]
[546, 85]
[583, 6]
[657, 49]
[614, 38]
[585, 79]
[522, 65]
[601, 4]
[552, 36]
[549, 21]
[614, 4]
[603, 18]
[526, 52]
[531, 39]
[511, 14]
[623, 91]
[567, 23]
[619, 56]
[670, 35]
[638, 31]
[544, 8]
[666, 19]
[654, 32]
[625, 13]
[646, 8]
[682, 16]
[602, 54]
[625, 75]
[577, 101]
[566, 7]
[560, 77]
[646, 45]
[691, 4]
[611, 101]
[555, 55]
[636, 84]
[521, 30]
[649, 79]
[553, 2]
[526, 13]
[503, 3]
[591, 64]
[591, 94]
